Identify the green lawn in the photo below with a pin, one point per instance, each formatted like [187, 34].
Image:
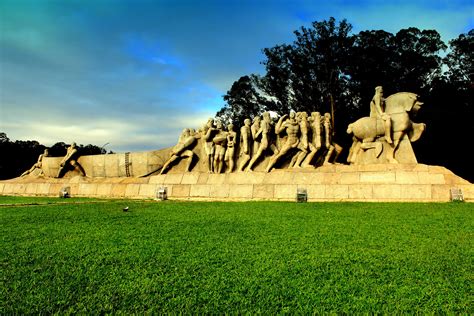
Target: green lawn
[255, 257]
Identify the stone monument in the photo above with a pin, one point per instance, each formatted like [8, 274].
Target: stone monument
[263, 160]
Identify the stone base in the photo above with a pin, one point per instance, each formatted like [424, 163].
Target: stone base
[368, 183]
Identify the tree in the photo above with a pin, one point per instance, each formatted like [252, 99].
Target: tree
[243, 101]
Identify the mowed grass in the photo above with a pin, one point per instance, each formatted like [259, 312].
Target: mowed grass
[254, 257]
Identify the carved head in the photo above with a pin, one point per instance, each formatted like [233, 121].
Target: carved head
[266, 116]
[292, 115]
[210, 122]
[230, 127]
[327, 116]
[46, 152]
[247, 122]
[379, 90]
[219, 125]
[257, 119]
[316, 115]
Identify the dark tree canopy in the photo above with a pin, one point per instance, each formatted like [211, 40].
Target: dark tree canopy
[328, 69]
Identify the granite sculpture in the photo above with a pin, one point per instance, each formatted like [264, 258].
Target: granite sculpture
[295, 140]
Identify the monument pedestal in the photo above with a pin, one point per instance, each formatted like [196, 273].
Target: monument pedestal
[368, 183]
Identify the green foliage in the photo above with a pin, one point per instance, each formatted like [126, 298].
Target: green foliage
[265, 257]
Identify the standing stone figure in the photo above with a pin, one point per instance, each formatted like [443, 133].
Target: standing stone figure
[315, 144]
[229, 153]
[292, 128]
[245, 144]
[209, 148]
[180, 150]
[70, 160]
[297, 160]
[377, 110]
[220, 141]
[37, 165]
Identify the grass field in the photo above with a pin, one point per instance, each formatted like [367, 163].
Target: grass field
[89, 256]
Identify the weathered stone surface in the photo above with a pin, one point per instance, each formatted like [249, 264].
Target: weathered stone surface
[181, 190]
[200, 190]
[406, 177]
[87, 189]
[241, 191]
[315, 192]
[361, 192]
[190, 178]
[415, 192]
[263, 191]
[337, 192]
[148, 190]
[285, 191]
[132, 190]
[377, 177]
[104, 189]
[387, 191]
[219, 191]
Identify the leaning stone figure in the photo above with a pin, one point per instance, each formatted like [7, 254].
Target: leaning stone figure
[208, 131]
[70, 159]
[38, 165]
[181, 150]
[315, 144]
[265, 133]
[292, 128]
[333, 149]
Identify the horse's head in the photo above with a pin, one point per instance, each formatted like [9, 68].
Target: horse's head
[402, 102]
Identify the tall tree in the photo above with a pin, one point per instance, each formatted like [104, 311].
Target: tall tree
[242, 101]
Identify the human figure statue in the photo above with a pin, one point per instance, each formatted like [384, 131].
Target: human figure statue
[263, 132]
[297, 160]
[70, 159]
[292, 128]
[208, 132]
[220, 141]
[332, 148]
[229, 152]
[254, 129]
[316, 136]
[181, 150]
[37, 165]
[245, 143]
[377, 110]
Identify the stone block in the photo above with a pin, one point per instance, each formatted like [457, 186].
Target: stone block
[315, 191]
[173, 178]
[148, 190]
[104, 189]
[190, 178]
[406, 177]
[327, 168]
[132, 190]
[361, 192]
[241, 191]
[8, 188]
[438, 169]
[377, 177]
[387, 191]
[337, 191]
[420, 192]
[2, 185]
[246, 178]
[200, 190]
[285, 191]
[331, 178]
[349, 178]
[440, 193]
[203, 177]
[43, 188]
[74, 188]
[31, 188]
[278, 177]
[216, 178]
[346, 168]
[468, 192]
[428, 178]
[118, 190]
[373, 167]
[19, 188]
[420, 168]
[263, 191]
[181, 190]
[309, 178]
[158, 179]
[453, 179]
[219, 191]
[87, 189]
[55, 188]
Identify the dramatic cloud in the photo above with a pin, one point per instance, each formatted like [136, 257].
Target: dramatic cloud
[135, 73]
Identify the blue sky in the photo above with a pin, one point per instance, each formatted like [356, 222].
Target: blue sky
[134, 73]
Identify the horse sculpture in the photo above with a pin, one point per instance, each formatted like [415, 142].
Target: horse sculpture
[368, 131]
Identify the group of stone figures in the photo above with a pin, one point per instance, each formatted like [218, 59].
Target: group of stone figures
[305, 136]
[305, 140]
